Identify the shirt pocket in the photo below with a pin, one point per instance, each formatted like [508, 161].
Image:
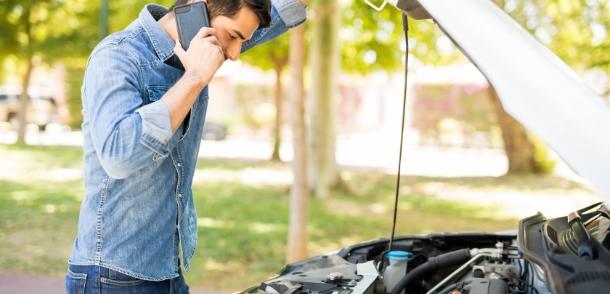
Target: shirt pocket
[154, 93]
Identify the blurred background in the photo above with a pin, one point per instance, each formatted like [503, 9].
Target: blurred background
[311, 119]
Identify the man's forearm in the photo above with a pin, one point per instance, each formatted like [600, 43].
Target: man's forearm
[180, 98]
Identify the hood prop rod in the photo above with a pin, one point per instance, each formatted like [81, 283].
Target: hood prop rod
[405, 27]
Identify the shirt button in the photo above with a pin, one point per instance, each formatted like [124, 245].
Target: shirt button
[179, 195]
[179, 164]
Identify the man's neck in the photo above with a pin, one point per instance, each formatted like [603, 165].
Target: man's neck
[168, 23]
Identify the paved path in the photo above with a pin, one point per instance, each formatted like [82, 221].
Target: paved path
[25, 284]
[377, 151]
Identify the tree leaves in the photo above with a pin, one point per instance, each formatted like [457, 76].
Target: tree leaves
[577, 31]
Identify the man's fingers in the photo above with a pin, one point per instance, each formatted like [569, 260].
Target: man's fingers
[205, 31]
[211, 39]
[179, 51]
[221, 53]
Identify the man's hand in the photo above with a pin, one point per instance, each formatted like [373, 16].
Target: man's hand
[304, 2]
[201, 61]
[203, 57]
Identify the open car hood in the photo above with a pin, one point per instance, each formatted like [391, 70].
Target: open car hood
[535, 86]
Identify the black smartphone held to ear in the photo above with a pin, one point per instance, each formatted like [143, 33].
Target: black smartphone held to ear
[190, 18]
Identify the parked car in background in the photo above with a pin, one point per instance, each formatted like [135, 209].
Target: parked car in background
[214, 131]
[41, 110]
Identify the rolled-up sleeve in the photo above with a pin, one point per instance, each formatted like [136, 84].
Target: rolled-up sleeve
[156, 127]
[126, 134]
[292, 12]
[285, 14]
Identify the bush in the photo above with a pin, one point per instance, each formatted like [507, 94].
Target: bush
[543, 163]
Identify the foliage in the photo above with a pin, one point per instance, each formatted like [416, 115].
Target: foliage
[74, 79]
[373, 41]
[267, 56]
[543, 162]
[51, 39]
[49, 31]
[577, 31]
[122, 13]
[61, 30]
[370, 41]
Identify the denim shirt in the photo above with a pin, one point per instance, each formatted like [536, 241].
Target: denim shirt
[138, 215]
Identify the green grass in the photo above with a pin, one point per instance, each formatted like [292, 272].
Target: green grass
[242, 226]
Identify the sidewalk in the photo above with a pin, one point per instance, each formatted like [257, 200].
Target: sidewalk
[26, 284]
[367, 151]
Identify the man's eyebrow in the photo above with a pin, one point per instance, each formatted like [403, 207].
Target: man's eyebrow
[241, 36]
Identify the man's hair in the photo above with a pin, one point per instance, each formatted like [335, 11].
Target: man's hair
[229, 8]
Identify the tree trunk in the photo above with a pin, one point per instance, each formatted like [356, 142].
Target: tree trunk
[324, 173]
[299, 194]
[518, 147]
[25, 84]
[23, 103]
[277, 128]
[104, 19]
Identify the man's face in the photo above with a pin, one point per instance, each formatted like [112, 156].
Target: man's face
[234, 31]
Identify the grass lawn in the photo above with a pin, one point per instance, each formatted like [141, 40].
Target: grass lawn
[242, 209]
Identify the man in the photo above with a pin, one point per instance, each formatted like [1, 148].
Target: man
[144, 106]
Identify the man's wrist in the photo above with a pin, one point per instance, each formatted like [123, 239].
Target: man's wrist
[194, 80]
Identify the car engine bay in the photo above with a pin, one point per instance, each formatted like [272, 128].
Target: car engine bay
[544, 256]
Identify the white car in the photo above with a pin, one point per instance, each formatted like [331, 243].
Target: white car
[569, 254]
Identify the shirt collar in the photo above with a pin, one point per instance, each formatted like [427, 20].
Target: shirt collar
[163, 44]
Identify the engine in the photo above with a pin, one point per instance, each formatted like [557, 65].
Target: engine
[563, 255]
[448, 263]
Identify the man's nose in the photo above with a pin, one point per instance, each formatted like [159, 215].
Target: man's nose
[233, 52]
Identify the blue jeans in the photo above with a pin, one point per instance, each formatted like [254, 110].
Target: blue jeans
[89, 279]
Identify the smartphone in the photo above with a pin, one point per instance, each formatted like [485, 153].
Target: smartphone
[190, 18]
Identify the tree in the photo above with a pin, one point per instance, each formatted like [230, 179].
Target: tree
[370, 42]
[567, 28]
[32, 33]
[518, 147]
[104, 19]
[574, 30]
[272, 56]
[577, 31]
[299, 193]
[19, 41]
[324, 174]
